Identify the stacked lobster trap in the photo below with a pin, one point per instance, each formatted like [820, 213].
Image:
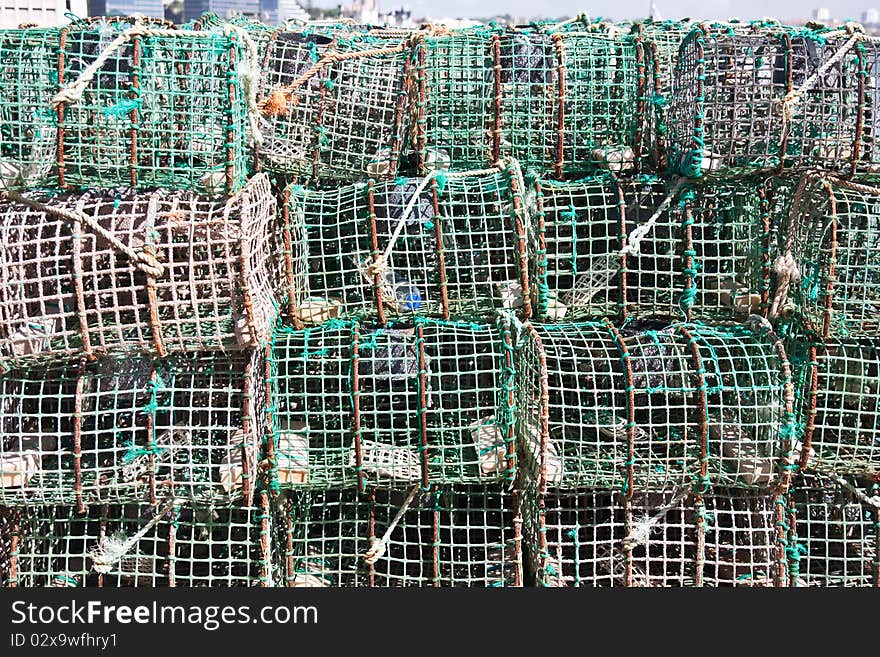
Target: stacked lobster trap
[138, 294]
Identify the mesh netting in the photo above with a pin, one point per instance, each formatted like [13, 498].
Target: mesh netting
[136, 545]
[764, 96]
[111, 270]
[448, 536]
[643, 248]
[427, 401]
[448, 245]
[333, 107]
[839, 400]
[661, 41]
[561, 102]
[162, 109]
[836, 530]
[591, 538]
[830, 259]
[645, 408]
[131, 430]
[7, 522]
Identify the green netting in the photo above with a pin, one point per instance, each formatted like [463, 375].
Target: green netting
[449, 245]
[562, 102]
[835, 530]
[647, 407]
[762, 96]
[183, 272]
[830, 259]
[427, 401]
[447, 536]
[661, 40]
[333, 107]
[132, 431]
[839, 405]
[138, 545]
[7, 522]
[645, 248]
[165, 108]
[591, 538]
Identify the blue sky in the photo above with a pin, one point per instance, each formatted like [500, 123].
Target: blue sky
[745, 9]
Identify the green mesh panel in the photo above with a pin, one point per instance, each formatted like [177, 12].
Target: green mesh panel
[739, 380]
[581, 539]
[215, 291]
[131, 430]
[8, 518]
[835, 240]
[447, 536]
[839, 400]
[422, 402]
[727, 110]
[188, 547]
[837, 535]
[162, 111]
[460, 253]
[347, 121]
[700, 257]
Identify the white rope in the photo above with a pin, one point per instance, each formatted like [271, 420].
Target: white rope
[871, 501]
[787, 273]
[642, 529]
[377, 549]
[103, 558]
[793, 97]
[633, 242]
[248, 69]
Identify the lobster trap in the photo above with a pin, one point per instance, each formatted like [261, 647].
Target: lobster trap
[390, 537]
[7, 522]
[117, 270]
[427, 401]
[132, 431]
[139, 545]
[764, 96]
[450, 245]
[839, 405]
[598, 539]
[649, 407]
[835, 531]
[111, 102]
[333, 107]
[829, 265]
[636, 248]
[560, 102]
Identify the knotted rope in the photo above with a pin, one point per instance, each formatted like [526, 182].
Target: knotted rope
[144, 259]
[104, 557]
[858, 493]
[276, 103]
[377, 549]
[248, 69]
[633, 242]
[641, 530]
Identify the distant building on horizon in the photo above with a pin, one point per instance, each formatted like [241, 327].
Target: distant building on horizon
[822, 14]
[151, 8]
[871, 17]
[193, 9]
[281, 11]
[45, 13]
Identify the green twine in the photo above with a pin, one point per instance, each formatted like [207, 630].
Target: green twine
[136, 451]
[122, 108]
[570, 215]
[440, 180]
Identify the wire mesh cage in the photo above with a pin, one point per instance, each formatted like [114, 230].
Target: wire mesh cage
[332, 106]
[132, 430]
[591, 538]
[140, 545]
[125, 103]
[450, 245]
[835, 530]
[632, 248]
[8, 518]
[661, 41]
[389, 537]
[838, 388]
[764, 96]
[828, 265]
[99, 271]
[426, 401]
[648, 407]
[562, 102]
